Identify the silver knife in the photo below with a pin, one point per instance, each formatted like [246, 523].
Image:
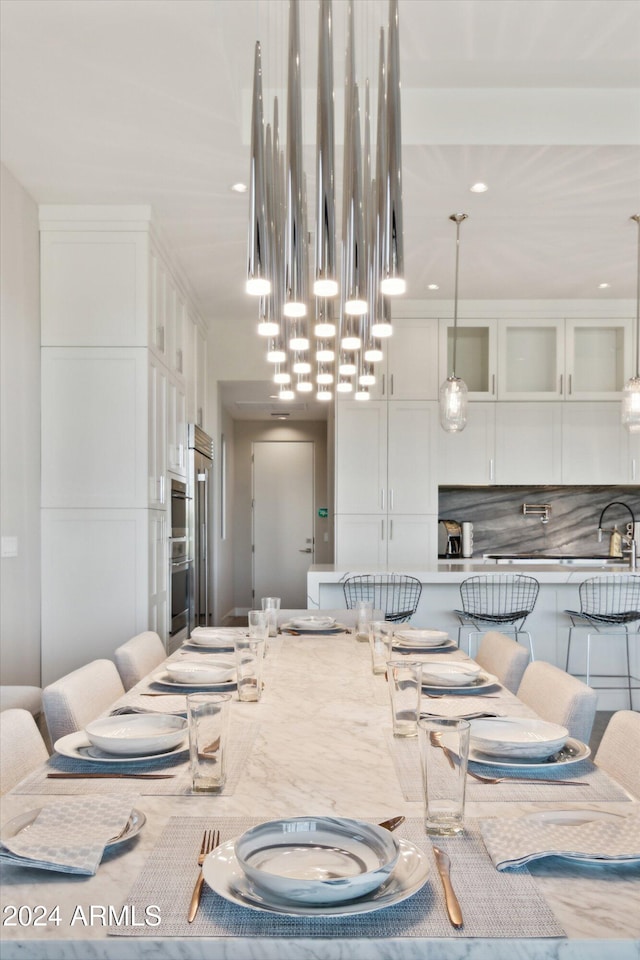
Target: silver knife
[453, 907]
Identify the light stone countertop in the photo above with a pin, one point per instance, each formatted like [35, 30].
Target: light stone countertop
[321, 749]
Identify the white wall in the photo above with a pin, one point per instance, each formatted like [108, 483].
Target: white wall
[20, 432]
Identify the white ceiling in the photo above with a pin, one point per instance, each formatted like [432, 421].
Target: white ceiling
[147, 101]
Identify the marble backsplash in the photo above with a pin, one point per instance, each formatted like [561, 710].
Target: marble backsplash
[499, 525]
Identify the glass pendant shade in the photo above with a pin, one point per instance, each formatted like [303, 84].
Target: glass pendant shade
[324, 330]
[304, 386]
[258, 282]
[281, 376]
[301, 366]
[631, 392]
[361, 394]
[324, 353]
[373, 354]
[267, 328]
[344, 386]
[453, 405]
[276, 356]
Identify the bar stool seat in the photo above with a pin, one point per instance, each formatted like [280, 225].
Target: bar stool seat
[501, 599]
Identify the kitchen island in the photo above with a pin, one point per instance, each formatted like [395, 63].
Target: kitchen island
[548, 623]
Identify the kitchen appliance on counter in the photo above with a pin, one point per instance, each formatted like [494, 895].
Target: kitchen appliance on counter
[198, 522]
[449, 539]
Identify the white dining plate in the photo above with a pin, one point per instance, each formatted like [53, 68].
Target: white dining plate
[572, 752]
[451, 674]
[165, 679]
[527, 738]
[298, 627]
[22, 822]
[418, 647]
[220, 638]
[78, 747]
[313, 623]
[137, 734]
[225, 876]
[224, 645]
[199, 671]
[416, 637]
[482, 682]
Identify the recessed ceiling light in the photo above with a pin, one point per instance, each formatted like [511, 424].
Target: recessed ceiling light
[239, 188]
[433, 286]
[479, 188]
[603, 286]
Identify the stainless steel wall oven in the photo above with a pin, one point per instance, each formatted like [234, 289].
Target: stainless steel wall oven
[181, 563]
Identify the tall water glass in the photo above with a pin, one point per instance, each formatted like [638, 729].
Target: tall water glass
[249, 658]
[208, 717]
[271, 606]
[258, 624]
[404, 678]
[364, 616]
[380, 641]
[444, 754]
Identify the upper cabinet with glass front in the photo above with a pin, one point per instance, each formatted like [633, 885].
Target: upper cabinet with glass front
[531, 360]
[476, 355]
[599, 358]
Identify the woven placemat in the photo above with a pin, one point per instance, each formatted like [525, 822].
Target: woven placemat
[493, 904]
[242, 738]
[598, 786]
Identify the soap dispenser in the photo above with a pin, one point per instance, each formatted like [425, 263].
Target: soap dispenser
[615, 543]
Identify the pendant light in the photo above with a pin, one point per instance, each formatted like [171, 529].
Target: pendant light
[631, 392]
[453, 392]
[258, 282]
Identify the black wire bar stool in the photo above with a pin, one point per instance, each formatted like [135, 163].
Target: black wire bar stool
[607, 601]
[397, 594]
[502, 599]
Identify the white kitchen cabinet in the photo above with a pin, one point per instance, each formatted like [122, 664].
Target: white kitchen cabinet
[158, 567]
[412, 426]
[468, 457]
[531, 360]
[361, 457]
[157, 426]
[200, 377]
[599, 358]
[360, 538]
[409, 370]
[528, 443]
[476, 355]
[176, 428]
[94, 427]
[394, 541]
[596, 447]
[411, 540]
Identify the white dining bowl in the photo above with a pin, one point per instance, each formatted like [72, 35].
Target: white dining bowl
[317, 860]
[194, 672]
[450, 674]
[525, 737]
[422, 638]
[313, 623]
[137, 734]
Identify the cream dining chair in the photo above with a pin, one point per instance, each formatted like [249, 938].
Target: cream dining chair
[71, 702]
[560, 698]
[619, 750]
[501, 656]
[138, 656]
[22, 748]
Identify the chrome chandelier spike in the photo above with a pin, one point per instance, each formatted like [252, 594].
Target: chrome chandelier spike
[326, 282]
[258, 272]
[295, 279]
[392, 281]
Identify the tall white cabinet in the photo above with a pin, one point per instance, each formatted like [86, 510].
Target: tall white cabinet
[123, 350]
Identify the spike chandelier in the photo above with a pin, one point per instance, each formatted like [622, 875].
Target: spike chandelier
[328, 334]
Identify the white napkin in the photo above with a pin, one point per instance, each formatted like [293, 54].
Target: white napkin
[69, 837]
[514, 841]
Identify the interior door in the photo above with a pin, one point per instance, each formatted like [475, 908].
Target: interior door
[283, 499]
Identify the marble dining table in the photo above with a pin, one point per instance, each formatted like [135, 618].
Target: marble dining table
[317, 743]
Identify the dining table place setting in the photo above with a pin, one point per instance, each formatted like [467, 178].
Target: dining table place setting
[333, 877]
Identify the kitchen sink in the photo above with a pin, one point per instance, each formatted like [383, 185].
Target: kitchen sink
[554, 559]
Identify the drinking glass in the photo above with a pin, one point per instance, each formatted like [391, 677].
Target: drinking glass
[249, 658]
[444, 754]
[208, 718]
[258, 624]
[404, 678]
[380, 640]
[364, 615]
[271, 606]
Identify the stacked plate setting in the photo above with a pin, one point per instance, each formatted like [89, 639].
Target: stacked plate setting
[413, 638]
[138, 735]
[517, 737]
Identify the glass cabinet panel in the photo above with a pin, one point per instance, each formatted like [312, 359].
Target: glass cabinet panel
[599, 355]
[475, 356]
[530, 359]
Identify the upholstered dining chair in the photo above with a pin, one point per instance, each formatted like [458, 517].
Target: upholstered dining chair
[138, 656]
[22, 748]
[619, 750]
[79, 697]
[501, 656]
[560, 698]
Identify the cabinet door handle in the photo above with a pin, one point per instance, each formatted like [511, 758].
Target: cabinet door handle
[491, 470]
[179, 361]
[390, 529]
[383, 383]
[391, 391]
[382, 498]
[161, 338]
[391, 498]
[561, 383]
[570, 384]
[493, 384]
[382, 529]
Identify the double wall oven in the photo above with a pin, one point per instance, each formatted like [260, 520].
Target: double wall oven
[180, 559]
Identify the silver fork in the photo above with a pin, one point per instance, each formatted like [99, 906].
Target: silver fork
[210, 840]
[565, 783]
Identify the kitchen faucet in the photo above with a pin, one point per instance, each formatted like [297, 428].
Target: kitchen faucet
[631, 541]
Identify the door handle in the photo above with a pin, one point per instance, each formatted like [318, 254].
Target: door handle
[307, 550]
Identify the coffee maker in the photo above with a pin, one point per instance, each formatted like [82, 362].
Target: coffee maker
[449, 539]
